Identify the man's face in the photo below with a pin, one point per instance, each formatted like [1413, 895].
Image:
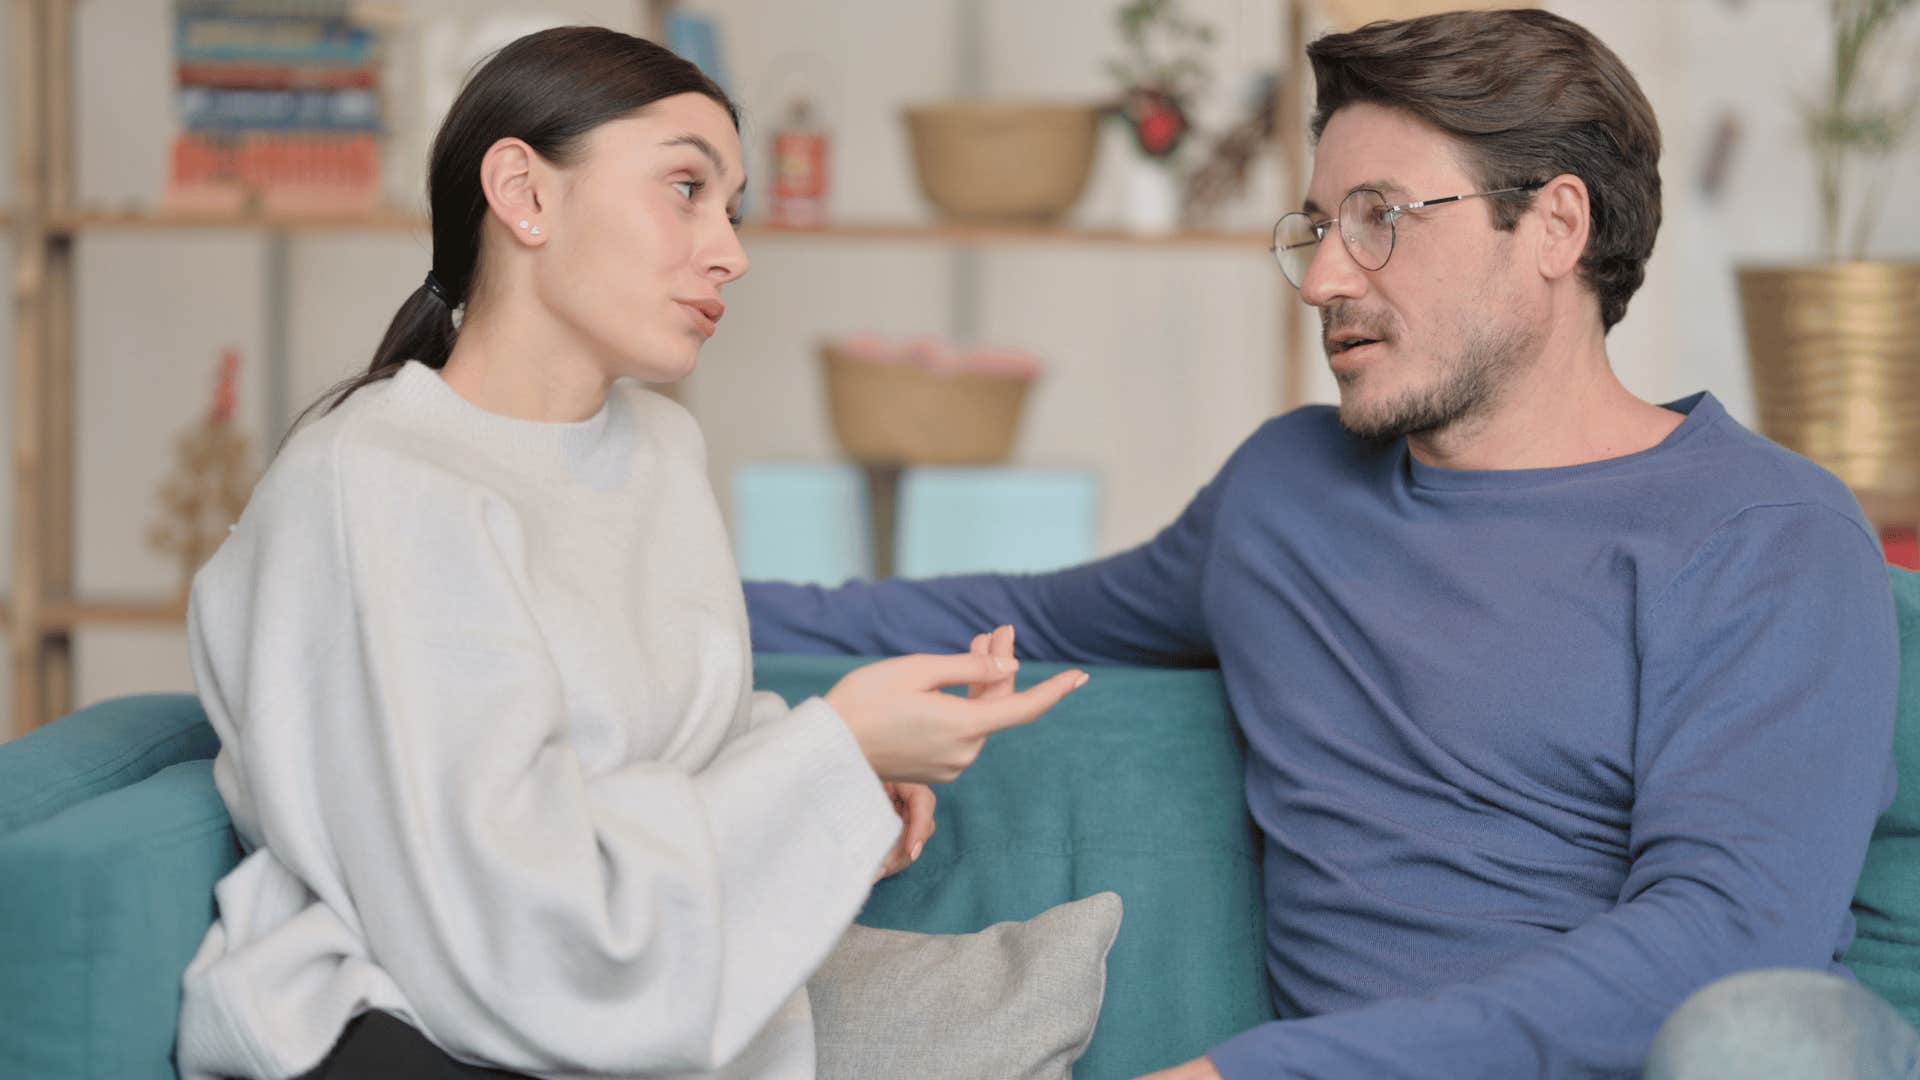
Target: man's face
[1432, 338]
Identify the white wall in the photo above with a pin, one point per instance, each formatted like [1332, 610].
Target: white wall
[1159, 361]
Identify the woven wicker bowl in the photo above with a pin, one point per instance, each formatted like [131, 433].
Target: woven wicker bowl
[900, 414]
[1002, 162]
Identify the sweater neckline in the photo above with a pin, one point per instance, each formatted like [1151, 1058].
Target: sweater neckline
[421, 387]
[1700, 411]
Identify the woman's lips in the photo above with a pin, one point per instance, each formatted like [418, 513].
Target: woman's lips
[705, 315]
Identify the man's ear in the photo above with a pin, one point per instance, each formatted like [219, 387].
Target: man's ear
[1565, 220]
[513, 178]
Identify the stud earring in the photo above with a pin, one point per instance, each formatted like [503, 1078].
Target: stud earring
[523, 224]
[536, 230]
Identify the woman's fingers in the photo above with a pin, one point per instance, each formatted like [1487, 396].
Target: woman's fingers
[999, 647]
[1030, 704]
[919, 801]
[932, 672]
[914, 803]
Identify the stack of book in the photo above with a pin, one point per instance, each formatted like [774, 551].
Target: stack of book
[280, 108]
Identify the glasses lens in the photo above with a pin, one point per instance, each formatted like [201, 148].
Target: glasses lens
[1363, 221]
[1294, 243]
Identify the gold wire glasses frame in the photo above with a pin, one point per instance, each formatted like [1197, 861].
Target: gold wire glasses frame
[1366, 221]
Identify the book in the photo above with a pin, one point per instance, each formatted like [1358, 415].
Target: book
[697, 38]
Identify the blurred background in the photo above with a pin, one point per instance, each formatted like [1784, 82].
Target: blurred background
[1011, 300]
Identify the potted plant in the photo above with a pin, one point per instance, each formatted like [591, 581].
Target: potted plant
[1834, 344]
[1161, 72]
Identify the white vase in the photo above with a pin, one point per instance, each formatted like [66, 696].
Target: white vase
[1153, 197]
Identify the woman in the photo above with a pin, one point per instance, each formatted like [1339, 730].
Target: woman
[479, 661]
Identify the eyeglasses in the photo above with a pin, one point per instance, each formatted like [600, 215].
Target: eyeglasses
[1366, 223]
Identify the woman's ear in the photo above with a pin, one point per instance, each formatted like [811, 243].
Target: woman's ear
[513, 176]
[1566, 221]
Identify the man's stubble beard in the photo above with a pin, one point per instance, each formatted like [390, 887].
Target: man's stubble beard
[1468, 386]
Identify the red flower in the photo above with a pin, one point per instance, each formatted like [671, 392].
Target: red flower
[1158, 122]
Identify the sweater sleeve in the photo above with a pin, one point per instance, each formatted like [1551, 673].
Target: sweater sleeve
[1142, 606]
[1763, 754]
[406, 750]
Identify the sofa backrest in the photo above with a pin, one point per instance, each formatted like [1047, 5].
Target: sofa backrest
[112, 819]
[1134, 785]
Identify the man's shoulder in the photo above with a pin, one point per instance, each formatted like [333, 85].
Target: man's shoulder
[1730, 470]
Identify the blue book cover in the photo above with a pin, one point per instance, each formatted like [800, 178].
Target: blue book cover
[247, 39]
[698, 39]
[210, 110]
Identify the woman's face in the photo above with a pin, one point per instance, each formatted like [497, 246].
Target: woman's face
[642, 241]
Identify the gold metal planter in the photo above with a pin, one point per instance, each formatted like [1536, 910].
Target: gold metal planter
[1835, 354]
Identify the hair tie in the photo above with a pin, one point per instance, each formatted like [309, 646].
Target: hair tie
[433, 286]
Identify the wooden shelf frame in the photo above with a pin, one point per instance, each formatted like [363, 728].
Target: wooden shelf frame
[41, 614]
[42, 422]
[65, 616]
[74, 223]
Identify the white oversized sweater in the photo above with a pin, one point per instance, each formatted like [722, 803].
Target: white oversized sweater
[488, 734]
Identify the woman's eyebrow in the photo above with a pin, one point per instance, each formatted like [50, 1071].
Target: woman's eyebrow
[706, 148]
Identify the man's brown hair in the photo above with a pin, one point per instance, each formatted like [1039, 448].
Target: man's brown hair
[1529, 96]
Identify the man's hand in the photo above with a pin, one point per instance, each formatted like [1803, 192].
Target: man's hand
[914, 803]
[1197, 1069]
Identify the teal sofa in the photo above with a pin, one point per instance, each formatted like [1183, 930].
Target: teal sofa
[112, 836]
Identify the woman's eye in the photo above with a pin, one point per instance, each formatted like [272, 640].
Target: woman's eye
[692, 187]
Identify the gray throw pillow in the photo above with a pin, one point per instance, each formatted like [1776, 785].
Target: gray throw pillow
[1019, 999]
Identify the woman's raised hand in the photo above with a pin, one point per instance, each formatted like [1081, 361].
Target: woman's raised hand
[911, 731]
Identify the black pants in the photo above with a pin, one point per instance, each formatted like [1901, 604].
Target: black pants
[380, 1046]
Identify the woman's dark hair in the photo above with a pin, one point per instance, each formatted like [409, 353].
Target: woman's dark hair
[1529, 96]
[549, 89]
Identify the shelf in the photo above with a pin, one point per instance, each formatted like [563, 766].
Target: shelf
[68, 615]
[77, 221]
[970, 234]
[89, 220]
[1886, 511]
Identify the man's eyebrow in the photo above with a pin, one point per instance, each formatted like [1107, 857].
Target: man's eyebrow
[1385, 187]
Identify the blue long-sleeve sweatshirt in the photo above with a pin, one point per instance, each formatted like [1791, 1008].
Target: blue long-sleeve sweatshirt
[1536, 753]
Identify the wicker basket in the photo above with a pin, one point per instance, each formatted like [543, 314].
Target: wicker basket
[902, 414]
[1003, 162]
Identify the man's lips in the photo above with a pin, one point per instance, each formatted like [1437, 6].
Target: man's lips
[1336, 346]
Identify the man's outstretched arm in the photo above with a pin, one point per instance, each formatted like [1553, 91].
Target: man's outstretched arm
[1142, 606]
[1762, 756]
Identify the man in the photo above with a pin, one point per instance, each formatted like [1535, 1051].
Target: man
[1560, 704]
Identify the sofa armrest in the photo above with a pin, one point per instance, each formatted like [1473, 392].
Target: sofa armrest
[98, 749]
[104, 905]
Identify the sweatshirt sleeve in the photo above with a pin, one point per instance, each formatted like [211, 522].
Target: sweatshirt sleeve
[1763, 754]
[406, 751]
[1142, 606]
